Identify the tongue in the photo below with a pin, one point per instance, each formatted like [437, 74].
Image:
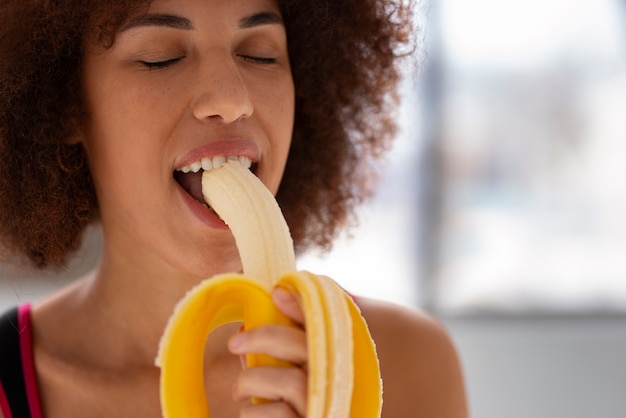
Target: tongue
[192, 183]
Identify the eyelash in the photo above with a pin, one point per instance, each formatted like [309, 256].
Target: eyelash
[258, 60]
[158, 65]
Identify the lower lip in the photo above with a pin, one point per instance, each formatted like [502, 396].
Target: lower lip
[206, 215]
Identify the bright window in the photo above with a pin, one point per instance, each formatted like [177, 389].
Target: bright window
[512, 196]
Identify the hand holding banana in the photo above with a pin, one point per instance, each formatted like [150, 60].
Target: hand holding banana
[344, 377]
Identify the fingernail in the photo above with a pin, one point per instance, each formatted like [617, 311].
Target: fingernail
[282, 295]
[236, 341]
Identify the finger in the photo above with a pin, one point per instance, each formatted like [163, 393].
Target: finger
[289, 303]
[279, 341]
[279, 384]
[269, 410]
[242, 357]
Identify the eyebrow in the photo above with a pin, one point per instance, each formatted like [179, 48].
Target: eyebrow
[182, 23]
[258, 19]
[154, 19]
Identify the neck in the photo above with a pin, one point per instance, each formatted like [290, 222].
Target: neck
[120, 309]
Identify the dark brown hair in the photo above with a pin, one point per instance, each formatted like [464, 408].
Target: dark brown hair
[344, 57]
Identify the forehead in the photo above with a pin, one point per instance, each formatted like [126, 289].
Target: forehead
[173, 5]
[186, 14]
[107, 22]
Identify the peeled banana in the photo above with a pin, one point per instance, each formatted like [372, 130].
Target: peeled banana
[344, 376]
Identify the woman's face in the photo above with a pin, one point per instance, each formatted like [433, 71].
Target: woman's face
[187, 81]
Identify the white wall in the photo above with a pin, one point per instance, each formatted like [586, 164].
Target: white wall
[21, 283]
[543, 367]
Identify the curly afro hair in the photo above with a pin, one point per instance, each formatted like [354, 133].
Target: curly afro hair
[344, 56]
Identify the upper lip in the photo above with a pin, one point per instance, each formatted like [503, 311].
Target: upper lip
[227, 146]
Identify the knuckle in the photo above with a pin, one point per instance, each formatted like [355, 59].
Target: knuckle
[298, 384]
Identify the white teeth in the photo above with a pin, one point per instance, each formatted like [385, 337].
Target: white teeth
[207, 164]
[218, 161]
[195, 167]
[245, 162]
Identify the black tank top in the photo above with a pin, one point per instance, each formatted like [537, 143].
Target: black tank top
[11, 371]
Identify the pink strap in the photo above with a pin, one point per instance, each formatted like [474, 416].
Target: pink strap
[28, 361]
[4, 404]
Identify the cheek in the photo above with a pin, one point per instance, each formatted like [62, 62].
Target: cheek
[123, 110]
[118, 150]
[282, 119]
[124, 124]
[282, 105]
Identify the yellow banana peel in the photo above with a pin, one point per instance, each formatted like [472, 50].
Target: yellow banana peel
[344, 377]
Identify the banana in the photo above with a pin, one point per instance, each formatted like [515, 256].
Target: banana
[344, 376]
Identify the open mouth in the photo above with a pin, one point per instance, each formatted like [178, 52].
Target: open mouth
[190, 176]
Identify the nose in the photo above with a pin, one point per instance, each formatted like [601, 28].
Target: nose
[222, 94]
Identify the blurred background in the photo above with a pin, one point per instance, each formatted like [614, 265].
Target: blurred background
[502, 208]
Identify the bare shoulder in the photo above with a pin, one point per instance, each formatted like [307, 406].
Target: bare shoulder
[421, 373]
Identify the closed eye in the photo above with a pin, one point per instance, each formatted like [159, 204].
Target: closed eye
[258, 60]
[157, 65]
